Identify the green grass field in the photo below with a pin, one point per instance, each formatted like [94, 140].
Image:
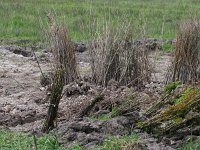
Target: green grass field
[26, 19]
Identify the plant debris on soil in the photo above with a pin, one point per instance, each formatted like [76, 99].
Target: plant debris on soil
[119, 110]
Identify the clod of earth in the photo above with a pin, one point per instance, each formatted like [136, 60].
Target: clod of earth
[19, 50]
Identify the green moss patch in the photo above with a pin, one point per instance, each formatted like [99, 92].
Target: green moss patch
[184, 111]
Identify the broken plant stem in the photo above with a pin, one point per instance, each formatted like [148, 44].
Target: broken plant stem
[37, 62]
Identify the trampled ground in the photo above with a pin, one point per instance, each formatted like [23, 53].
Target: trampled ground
[22, 98]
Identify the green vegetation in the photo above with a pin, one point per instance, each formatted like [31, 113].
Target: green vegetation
[119, 143]
[103, 117]
[167, 47]
[75, 147]
[190, 146]
[25, 19]
[129, 103]
[19, 141]
[182, 96]
[180, 109]
[170, 87]
[182, 105]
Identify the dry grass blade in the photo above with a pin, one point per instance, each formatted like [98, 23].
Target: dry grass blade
[186, 64]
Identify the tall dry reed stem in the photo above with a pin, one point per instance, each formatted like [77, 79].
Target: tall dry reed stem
[186, 64]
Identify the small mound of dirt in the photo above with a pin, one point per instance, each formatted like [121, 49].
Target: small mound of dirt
[19, 50]
[90, 133]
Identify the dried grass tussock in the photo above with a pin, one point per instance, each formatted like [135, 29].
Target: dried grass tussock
[63, 49]
[186, 64]
[65, 70]
[115, 57]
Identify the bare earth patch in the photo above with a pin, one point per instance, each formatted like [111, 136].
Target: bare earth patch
[22, 98]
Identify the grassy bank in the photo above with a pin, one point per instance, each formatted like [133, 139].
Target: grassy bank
[20, 141]
[25, 19]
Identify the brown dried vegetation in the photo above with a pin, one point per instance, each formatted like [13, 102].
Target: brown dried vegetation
[63, 49]
[186, 64]
[115, 57]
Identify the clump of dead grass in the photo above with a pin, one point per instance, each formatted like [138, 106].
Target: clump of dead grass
[186, 64]
[65, 70]
[115, 57]
[63, 49]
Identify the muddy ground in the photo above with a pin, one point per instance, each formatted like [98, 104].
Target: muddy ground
[23, 104]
